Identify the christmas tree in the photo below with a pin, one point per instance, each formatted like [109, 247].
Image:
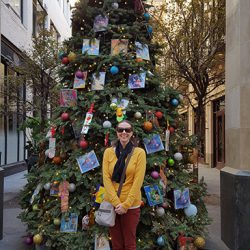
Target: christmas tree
[109, 74]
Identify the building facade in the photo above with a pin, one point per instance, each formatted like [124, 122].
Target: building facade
[19, 24]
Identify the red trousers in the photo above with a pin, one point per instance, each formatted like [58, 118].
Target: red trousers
[123, 233]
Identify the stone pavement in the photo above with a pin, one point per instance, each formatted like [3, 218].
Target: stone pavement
[14, 230]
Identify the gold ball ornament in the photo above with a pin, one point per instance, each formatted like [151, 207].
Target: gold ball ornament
[37, 239]
[199, 242]
[71, 56]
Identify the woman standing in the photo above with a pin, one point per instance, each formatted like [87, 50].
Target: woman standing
[127, 206]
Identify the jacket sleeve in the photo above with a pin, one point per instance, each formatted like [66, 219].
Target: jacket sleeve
[138, 180]
[110, 193]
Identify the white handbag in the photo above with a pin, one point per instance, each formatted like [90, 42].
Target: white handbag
[105, 215]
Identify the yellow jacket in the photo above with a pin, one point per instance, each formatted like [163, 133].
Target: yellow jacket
[131, 189]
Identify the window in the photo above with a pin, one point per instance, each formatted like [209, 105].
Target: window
[39, 17]
[17, 6]
[55, 33]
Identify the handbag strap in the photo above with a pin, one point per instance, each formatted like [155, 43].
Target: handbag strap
[123, 172]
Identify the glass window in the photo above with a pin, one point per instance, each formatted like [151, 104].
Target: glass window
[2, 134]
[39, 17]
[16, 5]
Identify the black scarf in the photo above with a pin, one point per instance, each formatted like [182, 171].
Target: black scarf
[121, 154]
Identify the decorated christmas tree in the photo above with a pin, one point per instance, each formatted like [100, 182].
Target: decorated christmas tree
[108, 73]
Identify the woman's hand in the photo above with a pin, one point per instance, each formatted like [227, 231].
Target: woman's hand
[120, 210]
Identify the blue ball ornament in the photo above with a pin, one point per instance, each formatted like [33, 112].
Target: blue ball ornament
[114, 70]
[191, 210]
[146, 16]
[174, 102]
[61, 54]
[160, 241]
[150, 29]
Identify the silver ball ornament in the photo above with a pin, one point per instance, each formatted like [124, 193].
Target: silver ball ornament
[178, 156]
[160, 211]
[190, 211]
[72, 187]
[115, 5]
[107, 124]
[47, 186]
[137, 115]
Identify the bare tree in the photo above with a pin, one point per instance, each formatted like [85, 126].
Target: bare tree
[194, 33]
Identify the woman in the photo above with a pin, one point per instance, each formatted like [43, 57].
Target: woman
[127, 206]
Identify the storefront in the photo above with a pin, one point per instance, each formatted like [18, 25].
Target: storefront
[12, 139]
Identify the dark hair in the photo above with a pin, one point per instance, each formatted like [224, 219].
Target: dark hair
[128, 122]
[133, 139]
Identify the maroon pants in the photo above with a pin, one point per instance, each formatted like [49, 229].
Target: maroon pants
[123, 233]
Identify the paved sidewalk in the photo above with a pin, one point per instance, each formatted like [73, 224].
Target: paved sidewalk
[212, 178]
[14, 230]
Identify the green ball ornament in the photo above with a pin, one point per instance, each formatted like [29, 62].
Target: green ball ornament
[170, 162]
[57, 222]
[113, 106]
[35, 207]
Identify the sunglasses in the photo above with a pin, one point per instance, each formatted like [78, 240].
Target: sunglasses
[127, 130]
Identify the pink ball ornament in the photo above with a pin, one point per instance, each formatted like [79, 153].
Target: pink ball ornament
[65, 116]
[155, 174]
[165, 205]
[79, 74]
[28, 240]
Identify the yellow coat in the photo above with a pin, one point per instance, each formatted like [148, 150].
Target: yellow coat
[131, 189]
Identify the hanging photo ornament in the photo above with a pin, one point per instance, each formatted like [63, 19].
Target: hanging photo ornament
[115, 5]
[138, 115]
[160, 211]
[72, 187]
[178, 156]
[85, 222]
[107, 124]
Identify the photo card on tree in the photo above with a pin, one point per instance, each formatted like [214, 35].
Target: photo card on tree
[119, 46]
[153, 194]
[69, 224]
[137, 81]
[68, 98]
[100, 23]
[101, 242]
[79, 83]
[91, 46]
[98, 81]
[142, 51]
[181, 198]
[153, 144]
[87, 162]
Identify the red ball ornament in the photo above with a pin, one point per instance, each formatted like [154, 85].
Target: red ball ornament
[65, 60]
[171, 130]
[142, 204]
[83, 144]
[159, 114]
[64, 116]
